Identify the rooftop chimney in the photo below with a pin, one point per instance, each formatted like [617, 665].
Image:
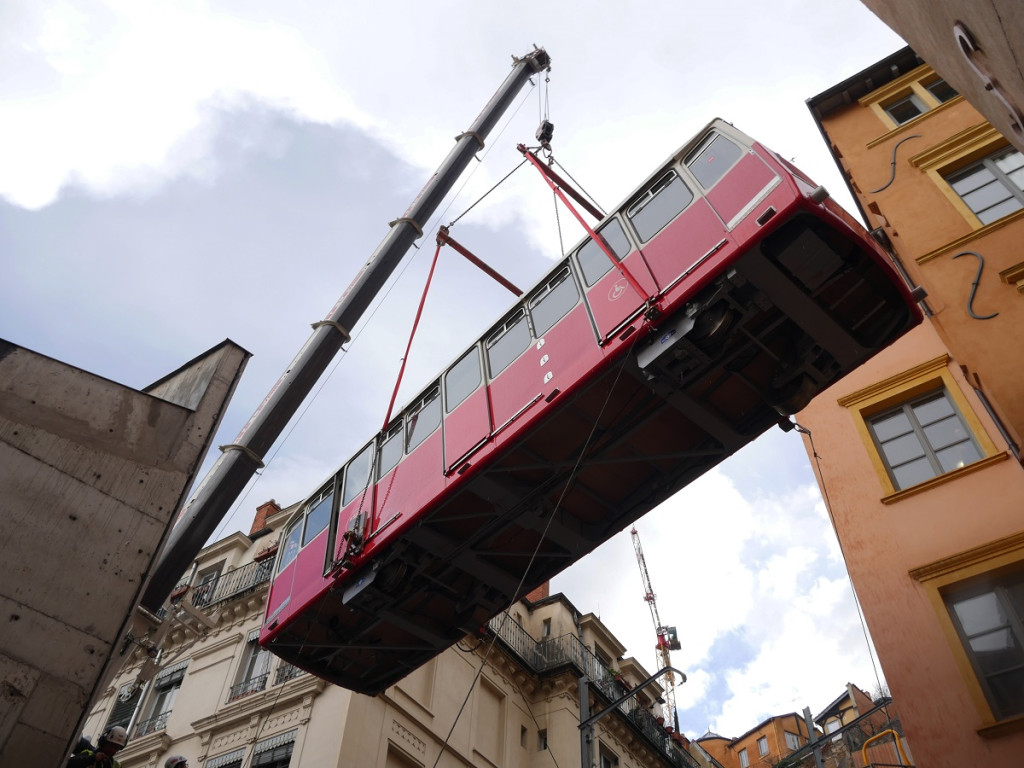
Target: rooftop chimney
[544, 590]
[263, 511]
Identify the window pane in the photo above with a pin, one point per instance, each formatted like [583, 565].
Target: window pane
[291, 544]
[553, 302]
[390, 451]
[971, 180]
[662, 203]
[1008, 691]
[713, 159]
[946, 432]
[982, 198]
[996, 212]
[900, 450]
[888, 427]
[357, 475]
[318, 518]
[913, 473]
[906, 109]
[941, 90]
[933, 409]
[594, 262]
[762, 746]
[1011, 163]
[462, 379]
[957, 456]
[508, 342]
[980, 614]
[997, 651]
[424, 419]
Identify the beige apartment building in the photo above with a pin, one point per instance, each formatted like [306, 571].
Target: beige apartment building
[917, 452]
[508, 698]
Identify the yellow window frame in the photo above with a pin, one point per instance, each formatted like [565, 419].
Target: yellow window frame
[930, 376]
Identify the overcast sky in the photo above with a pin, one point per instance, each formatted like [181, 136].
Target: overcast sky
[175, 174]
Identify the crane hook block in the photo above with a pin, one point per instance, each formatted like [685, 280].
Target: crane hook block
[544, 133]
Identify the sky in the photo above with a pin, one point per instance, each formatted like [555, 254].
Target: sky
[174, 174]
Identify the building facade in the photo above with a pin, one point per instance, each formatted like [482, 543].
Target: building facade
[917, 452]
[507, 697]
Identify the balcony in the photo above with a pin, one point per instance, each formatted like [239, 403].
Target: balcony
[248, 687]
[152, 725]
[232, 583]
[286, 672]
[569, 651]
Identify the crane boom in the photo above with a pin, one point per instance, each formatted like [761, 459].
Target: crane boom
[668, 639]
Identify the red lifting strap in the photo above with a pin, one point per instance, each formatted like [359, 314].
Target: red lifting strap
[415, 323]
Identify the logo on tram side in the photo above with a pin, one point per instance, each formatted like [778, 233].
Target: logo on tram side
[618, 288]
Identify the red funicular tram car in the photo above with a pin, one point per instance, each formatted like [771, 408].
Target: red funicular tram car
[738, 292]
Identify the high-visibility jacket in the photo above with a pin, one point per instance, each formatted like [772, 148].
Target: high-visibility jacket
[87, 759]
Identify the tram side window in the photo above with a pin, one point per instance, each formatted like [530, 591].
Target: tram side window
[390, 450]
[658, 205]
[461, 380]
[357, 475]
[291, 544]
[553, 301]
[508, 342]
[712, 159]
[318, 514]
[594, 262]
[424, 418]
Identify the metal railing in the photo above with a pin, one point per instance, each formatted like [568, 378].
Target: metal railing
[568, 650]
[232, 583]
[250, 686]
[287, 672]
[152, 725]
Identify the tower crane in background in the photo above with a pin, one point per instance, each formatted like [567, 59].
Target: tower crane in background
[668, 639]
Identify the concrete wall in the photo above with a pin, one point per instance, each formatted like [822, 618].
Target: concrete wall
[91, 475]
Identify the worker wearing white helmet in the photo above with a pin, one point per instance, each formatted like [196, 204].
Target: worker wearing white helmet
[176, 761]
[112, 741]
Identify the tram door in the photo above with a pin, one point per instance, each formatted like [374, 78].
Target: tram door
[612, 297]
[467, 415]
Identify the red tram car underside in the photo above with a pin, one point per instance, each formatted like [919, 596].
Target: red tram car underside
[788, 317]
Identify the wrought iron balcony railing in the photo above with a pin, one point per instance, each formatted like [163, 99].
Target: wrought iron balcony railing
[287, 672]
[568, 650]
[232, 583]
[152, 725]
[247, 687]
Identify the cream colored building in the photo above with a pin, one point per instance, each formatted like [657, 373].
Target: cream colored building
[223, 702]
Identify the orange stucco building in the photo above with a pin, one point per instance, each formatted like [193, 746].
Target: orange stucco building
[917, 452]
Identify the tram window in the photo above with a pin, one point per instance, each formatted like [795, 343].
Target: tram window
[357, 474]
[318, 514]
[594, 262]
[508, 342]
[424, 418]
[461, 380]
[390, 450]
[291, 544]
[712, 159]
[661, 203]
[553, 301]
